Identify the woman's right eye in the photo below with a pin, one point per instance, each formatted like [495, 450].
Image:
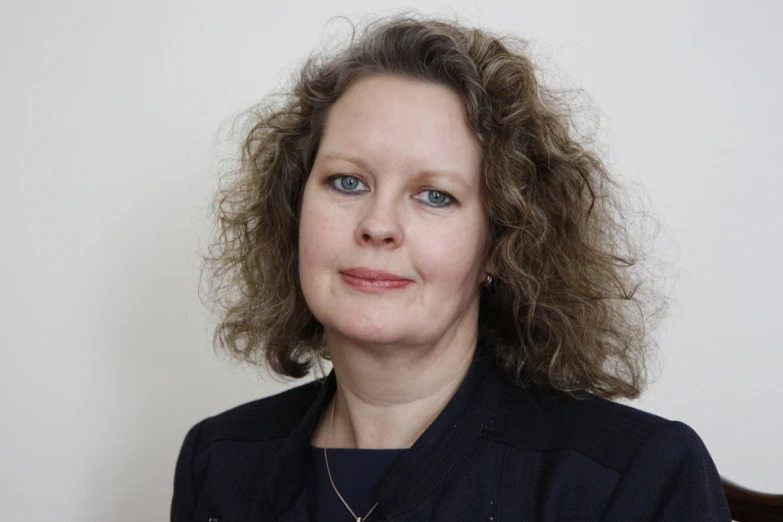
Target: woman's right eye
[346, 183]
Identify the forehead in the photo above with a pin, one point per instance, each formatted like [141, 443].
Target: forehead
[393, 122]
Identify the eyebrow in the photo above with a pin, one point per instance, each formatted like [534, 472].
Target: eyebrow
[427, 173]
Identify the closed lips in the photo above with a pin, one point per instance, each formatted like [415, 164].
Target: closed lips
[372, 275]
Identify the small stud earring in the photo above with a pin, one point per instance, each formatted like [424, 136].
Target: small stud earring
[488, 281]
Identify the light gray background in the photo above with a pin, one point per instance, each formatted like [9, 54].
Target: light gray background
[109, 146]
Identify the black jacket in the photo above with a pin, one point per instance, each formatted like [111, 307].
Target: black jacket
[496, 453]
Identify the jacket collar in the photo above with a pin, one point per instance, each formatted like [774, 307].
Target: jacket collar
[415, 474]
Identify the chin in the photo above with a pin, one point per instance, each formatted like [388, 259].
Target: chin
[369, 333]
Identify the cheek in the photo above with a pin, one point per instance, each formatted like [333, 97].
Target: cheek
[453, 256]
[318, 238]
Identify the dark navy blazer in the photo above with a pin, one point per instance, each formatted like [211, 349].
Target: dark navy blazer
[496, 453]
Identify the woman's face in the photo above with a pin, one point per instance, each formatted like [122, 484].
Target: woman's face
[393, 226]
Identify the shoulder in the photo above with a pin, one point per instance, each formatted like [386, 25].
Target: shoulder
[220, 452]
[607, 432]
[261, 420]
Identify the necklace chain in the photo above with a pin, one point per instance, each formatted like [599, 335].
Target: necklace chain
[329, 472]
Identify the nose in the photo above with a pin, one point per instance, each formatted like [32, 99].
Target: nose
[380, 225]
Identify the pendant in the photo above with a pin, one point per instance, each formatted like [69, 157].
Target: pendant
[358, 519]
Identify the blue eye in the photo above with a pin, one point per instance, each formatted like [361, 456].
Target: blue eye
[346, 183]
[437, 198]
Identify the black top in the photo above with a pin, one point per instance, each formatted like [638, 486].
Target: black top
[356, 473]
[496, 452]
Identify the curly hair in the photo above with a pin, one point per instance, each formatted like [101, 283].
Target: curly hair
[565, 312]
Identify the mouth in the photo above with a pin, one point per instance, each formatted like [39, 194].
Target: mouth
[374, 281]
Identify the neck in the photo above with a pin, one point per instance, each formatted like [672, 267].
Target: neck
[388, 401]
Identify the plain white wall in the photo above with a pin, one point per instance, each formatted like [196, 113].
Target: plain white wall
[109, 153]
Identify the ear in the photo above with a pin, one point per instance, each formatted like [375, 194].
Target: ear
[488, 267]
[490, 260]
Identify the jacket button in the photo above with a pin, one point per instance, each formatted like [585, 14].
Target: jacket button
[213, 519]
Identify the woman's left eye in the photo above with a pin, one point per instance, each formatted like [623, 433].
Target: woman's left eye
[436, 198]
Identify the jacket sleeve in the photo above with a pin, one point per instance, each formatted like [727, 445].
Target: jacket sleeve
[671, 477]
[183, 501]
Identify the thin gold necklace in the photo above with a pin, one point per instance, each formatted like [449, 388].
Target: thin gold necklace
[329, 471]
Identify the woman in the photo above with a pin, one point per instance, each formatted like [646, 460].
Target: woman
[420, 212]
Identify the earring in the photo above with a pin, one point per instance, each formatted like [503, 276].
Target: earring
[488, 281]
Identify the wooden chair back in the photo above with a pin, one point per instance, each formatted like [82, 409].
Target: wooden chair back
[752, 506]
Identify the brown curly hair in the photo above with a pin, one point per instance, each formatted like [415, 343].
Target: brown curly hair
[564, 312]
